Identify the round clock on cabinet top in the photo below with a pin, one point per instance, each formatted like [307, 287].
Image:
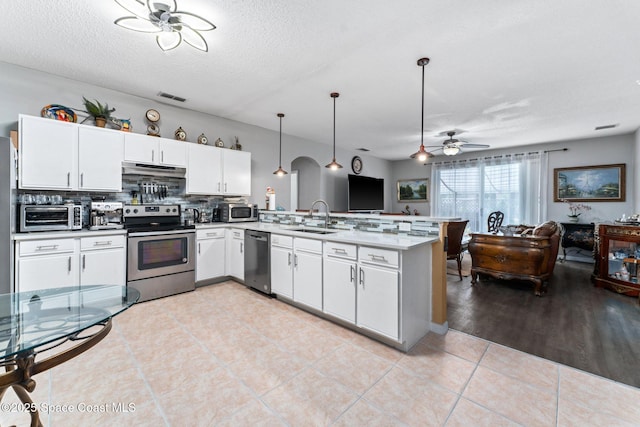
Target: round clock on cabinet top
[152, 115]
[356, 165]
[153, 130]
[202, 139]
[180, 134]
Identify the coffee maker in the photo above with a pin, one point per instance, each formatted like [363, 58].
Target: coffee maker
[106, 216]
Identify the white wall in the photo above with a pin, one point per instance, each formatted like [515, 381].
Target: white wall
[584, 152]
[26, 91]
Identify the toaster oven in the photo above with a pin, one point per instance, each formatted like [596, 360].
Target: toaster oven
[49, 217]
[238, 212]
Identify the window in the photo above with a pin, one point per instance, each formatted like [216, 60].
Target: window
[471, 189]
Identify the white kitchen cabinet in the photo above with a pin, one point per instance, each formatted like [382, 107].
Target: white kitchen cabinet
[235, 253]
[69, 261]
[139, 148]
[236, 171]
[378, 291]
[100, 154]
[56, 155]
[204, 171]
[307, 272]
[339, 280]
[210, 253]
[282, 265]
[103, 260]
[48, 154]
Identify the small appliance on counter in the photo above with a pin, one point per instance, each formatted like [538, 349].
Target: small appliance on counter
[49, 217]
[106, 216]
[238, 212]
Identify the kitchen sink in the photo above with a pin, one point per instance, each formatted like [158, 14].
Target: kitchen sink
[314, 230]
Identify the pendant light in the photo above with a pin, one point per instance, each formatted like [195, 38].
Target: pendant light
[422, 154]
[280, 171]
[334, 165]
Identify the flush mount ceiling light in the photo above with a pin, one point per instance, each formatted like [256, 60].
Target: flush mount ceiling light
[334, 165]
[422, 154]
[171, 25]
[280, 171]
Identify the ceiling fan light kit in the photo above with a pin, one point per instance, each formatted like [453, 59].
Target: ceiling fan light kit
[280, 171]
[334, 165]
[422, 154]
[171, 26]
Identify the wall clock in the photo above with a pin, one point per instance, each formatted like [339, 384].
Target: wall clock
[152, 115]
[356, 165]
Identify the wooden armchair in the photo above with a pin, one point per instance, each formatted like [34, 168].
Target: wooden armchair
[455, 248]
[530, 256]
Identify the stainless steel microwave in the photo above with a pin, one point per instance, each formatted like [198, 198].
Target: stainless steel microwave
[49, 217]
[238, 212]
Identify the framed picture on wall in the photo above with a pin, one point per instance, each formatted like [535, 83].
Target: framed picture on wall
[603, 183]
[413, 190]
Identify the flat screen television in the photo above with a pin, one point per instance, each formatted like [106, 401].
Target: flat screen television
[365, 193]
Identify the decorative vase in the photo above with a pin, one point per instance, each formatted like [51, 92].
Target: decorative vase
[574, 218]
[101, 122]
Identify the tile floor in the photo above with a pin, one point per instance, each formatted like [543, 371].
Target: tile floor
[224, 355]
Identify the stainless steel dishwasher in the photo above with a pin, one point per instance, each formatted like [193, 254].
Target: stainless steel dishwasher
[257, 260]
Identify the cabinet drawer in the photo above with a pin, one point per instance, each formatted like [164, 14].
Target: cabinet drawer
[340, 250]
[279, 240]
[237, 234]
[41, 247]
[309, 245]
[102, 242]
[211, 233]
[377, 256]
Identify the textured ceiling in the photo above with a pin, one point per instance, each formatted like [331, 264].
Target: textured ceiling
[502, 72]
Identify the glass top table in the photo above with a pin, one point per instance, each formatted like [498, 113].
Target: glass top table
[36, 321]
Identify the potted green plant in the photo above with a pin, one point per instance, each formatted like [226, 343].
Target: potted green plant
[100, 113]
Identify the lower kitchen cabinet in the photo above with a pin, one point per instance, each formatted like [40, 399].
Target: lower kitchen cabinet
[340, 278]
[377, 300]
[52, 263]
[210, 253]
[282, 265]
[235, 253]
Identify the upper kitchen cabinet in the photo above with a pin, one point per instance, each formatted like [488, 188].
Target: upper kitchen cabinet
[100, 154]
[218, 171]
[151, 150]
[57, 155]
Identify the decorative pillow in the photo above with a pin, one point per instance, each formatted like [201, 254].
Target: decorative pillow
[546, 229]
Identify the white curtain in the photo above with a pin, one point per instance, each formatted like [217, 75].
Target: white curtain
[471, 189]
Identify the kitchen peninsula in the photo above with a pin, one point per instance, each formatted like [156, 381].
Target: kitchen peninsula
[377, 283]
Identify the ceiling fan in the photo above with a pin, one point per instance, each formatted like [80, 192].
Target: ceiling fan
[452, 146]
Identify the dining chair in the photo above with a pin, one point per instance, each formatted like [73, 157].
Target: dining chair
[455, 247]
[494, 222]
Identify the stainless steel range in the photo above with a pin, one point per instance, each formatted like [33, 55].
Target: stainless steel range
[161, 251]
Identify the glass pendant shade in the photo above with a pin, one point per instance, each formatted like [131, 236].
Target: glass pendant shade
[334, 165]
[451, 150]
[280, 171]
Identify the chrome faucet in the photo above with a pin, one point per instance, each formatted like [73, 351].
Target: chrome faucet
[326, 215]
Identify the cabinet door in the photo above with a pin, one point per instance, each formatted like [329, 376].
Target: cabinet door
[377, 300]
[204, 174]
[47, 271]
[172, 153]
[237, 172]
[48, 154]
[103, 267]
[282, 271]
[236, 257]
[100, 155]
[140, 148]
[307, 279]
[210, 258]
[339, 288]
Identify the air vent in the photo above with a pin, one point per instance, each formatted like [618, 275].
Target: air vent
[363, 149]
[169, 96]
[606, 127]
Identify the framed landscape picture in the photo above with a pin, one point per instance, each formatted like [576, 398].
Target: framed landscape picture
[604, 183]
[413, 190]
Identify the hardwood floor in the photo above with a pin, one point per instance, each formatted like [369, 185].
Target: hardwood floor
[575, 323]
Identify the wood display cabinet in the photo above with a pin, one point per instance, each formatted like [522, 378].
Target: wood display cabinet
[617, 258]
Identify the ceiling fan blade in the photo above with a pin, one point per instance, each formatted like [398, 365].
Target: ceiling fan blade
[466, 145]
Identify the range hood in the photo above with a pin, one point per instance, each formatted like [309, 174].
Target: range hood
[153, 170]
